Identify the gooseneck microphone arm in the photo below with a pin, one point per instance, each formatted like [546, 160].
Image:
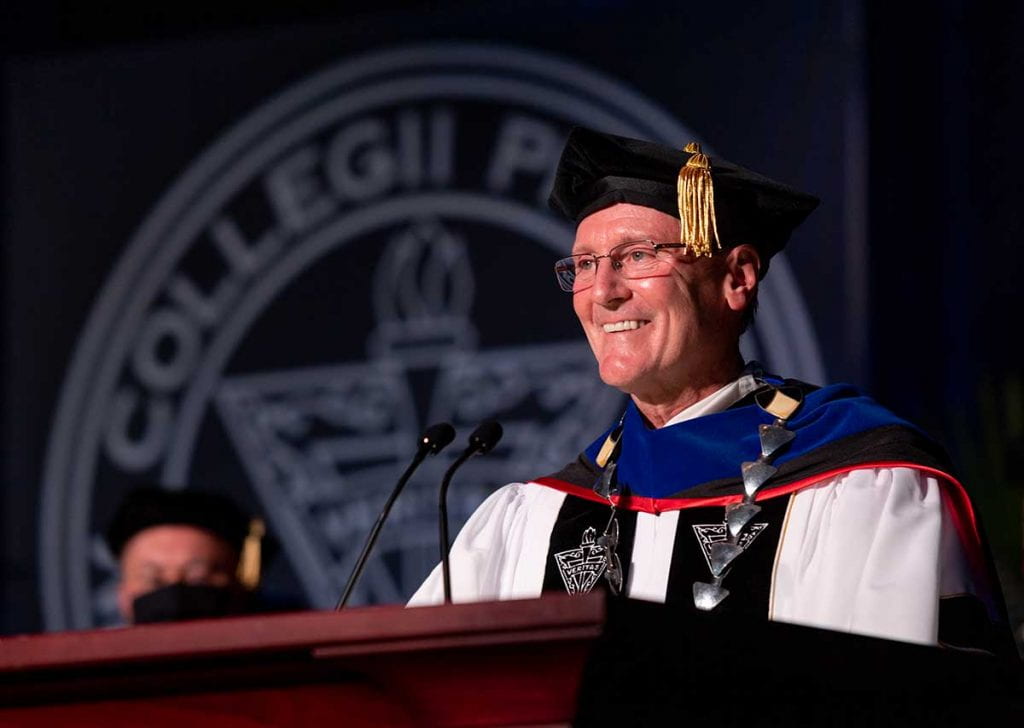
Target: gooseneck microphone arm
[433, 439]
[442, 505]
[483, 440]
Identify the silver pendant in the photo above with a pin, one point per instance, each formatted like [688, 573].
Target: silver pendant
[772, 438]
[721, 554]
[738, 515]
[781, 402]
[755, 475]
[609, 542]
[606, 485]
[708, 596]
[613, 574]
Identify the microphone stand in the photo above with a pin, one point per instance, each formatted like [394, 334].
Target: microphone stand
[432, 441]
[483, 439]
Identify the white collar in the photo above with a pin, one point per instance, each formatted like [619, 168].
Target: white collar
[721, 400]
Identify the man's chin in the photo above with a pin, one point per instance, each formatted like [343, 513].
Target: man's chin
[624, 381]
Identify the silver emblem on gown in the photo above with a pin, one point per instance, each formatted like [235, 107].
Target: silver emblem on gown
[581, 567]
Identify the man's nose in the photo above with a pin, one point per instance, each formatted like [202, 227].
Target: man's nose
[172, 575]
[609, 287]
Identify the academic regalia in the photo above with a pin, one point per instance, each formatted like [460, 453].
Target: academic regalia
[769, 498]
[862, 528]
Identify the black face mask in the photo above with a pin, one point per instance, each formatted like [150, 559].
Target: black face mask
[190, 601]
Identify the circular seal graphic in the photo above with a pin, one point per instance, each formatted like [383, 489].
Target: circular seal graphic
[362, 255]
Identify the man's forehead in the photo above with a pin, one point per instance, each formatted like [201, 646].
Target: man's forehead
[167, 538]
[625, 221]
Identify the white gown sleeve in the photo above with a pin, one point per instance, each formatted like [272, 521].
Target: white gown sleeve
[501, 551]
[871, 552]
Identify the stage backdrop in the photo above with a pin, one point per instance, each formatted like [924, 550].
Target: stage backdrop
[261, 263]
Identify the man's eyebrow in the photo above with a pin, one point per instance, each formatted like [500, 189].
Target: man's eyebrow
[614, 242]
[589, 247]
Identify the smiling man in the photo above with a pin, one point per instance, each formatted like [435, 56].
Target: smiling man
[723, 487]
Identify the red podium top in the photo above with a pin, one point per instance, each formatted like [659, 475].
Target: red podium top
[502, 663]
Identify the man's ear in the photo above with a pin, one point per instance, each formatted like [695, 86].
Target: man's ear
[742, 265]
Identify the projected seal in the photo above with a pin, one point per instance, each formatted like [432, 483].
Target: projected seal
[330, 276]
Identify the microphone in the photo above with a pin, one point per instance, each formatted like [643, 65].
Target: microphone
[482, 441]
[433, 439]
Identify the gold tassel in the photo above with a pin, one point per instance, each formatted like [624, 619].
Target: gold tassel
[250, 558]
[697, 203]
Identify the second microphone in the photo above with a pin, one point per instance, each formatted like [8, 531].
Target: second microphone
[483, 440]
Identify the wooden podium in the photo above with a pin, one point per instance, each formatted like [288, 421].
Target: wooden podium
[545, 662]
[496, 664]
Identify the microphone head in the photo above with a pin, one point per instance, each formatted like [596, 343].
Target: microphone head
[486, 436]
[436, 437]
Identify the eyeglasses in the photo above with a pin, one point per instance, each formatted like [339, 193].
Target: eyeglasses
[632, 259]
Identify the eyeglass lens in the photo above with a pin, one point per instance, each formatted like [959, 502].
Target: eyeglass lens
[634, 259]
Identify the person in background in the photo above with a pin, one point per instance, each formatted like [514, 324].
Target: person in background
[184, 555]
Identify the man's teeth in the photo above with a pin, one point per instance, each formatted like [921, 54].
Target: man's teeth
[623, 326]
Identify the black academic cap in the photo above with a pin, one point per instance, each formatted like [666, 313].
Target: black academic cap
[710, 195]
[147, 506]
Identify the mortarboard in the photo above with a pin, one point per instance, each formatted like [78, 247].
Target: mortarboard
[147, 506]
[720, 204]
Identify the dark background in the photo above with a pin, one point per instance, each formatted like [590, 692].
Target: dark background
[905, 124]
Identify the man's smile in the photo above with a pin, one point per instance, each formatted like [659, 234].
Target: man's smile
[626, 325]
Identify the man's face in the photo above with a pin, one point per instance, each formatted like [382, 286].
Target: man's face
[678, 315]
[171, 554]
